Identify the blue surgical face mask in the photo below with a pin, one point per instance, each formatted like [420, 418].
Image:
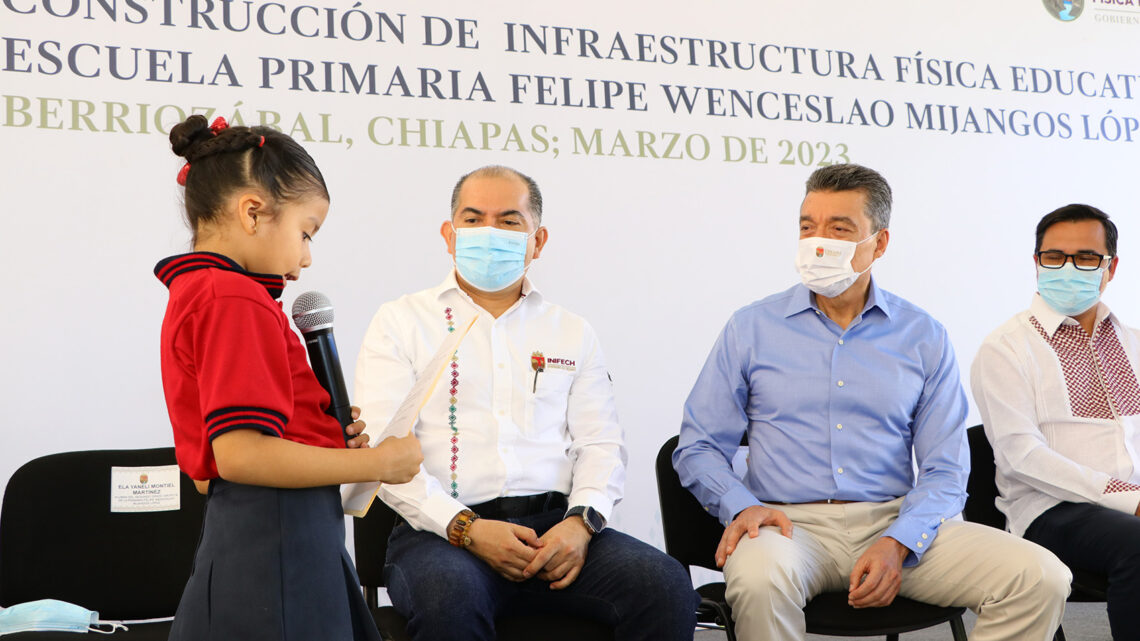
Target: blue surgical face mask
[489, 258]
[52, 615]
[1069, 291]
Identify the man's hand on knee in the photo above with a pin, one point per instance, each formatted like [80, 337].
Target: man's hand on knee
[561, 554]
[506, 547]
[750, 520]
[877, 576]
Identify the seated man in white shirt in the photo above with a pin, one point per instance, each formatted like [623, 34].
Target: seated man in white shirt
[523, 455]
[1057, 389]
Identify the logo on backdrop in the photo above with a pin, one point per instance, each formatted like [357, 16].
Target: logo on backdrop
[1065, 10]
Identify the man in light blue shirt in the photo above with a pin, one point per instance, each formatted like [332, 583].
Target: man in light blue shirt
[835, 382]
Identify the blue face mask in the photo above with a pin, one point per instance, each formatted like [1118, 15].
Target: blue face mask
[51, 615]
[1069, 290]
[488, 258]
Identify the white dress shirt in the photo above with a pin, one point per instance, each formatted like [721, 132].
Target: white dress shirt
[519, 431]
[1062, 411]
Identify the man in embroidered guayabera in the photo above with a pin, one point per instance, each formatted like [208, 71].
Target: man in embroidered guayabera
[1057, 389]
[524, 458]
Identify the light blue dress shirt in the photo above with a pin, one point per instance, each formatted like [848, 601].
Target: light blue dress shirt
[830, 413]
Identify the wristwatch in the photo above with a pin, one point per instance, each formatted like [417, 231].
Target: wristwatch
[594, 520]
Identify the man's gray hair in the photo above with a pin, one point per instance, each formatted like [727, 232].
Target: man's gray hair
[851, 177]
[534, 196]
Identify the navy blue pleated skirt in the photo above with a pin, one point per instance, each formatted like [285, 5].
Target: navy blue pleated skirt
[272, 565]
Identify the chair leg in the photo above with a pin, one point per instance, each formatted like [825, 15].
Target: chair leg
[1060, 634]
[726, 620]
[958, 628]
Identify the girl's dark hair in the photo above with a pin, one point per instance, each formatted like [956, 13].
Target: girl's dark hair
[236, 158]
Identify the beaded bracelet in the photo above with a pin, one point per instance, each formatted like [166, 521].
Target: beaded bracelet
[457, 533]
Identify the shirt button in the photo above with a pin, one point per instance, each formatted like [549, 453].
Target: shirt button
[941, 520]
[840, 383]
[817, 312]
[919, 544]
[924, 535]
[839, 426]
[840, 470]
[841, 341]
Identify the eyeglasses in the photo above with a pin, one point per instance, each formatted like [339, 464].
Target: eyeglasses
[1084, 261]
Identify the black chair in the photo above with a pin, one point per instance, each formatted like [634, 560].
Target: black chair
[59, 540]
[1088, 587]
[692, 535]
[370, 535]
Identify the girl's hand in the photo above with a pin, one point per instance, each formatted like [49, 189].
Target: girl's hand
[356, 430]
[400, 459]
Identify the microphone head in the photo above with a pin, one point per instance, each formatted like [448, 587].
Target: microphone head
[312, 311]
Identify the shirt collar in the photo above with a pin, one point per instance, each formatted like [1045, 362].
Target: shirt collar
[801, 301]
[1050, 319]
[451, 284]
[170, 268]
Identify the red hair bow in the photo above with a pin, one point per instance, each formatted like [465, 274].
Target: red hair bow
[218, 125]
[182, 174]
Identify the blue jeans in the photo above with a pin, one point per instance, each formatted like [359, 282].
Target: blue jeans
[1103, 540]
[446, 592]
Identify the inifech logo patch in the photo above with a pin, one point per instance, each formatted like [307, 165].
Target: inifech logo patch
[541, 363]
[1065, 10]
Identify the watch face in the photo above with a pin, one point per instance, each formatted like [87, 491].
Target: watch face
[594, 520]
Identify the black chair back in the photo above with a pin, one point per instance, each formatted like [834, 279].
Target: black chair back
[60, 540]
[696, 543]
[981, 486]
[370, 536]
[980, 508]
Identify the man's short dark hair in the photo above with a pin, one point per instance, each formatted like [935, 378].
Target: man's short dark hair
[852, 177]
[1073, 213]
[534, 196]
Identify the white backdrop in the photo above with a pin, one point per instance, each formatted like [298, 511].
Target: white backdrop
[655, 251]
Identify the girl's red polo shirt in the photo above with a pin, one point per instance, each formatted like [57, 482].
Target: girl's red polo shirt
[231, 361]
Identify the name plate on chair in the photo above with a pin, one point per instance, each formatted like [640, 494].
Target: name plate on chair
[145, 489]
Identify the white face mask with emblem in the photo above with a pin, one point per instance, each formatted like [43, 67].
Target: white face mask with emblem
[824, 264]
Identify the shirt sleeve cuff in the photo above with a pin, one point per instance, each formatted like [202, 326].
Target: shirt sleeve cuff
[735, 501]
[1121, 501]
[592, 498]
[438, 510]
[914, 536]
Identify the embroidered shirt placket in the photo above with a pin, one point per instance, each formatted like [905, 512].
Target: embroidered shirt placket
[1117, 414]
[1100, 376]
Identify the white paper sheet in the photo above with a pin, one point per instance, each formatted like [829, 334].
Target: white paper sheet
[356, 498]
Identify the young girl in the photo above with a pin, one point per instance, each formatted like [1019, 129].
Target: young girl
[247, 410]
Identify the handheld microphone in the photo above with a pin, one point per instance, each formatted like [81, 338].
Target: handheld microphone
[313, 315]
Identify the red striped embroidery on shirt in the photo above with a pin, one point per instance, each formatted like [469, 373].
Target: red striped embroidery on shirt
[1086, 381]
[1116, 485]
